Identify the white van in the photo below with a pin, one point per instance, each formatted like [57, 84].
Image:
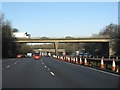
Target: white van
[21, 35]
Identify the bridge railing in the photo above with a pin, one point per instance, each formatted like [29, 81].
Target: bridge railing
[111, 65]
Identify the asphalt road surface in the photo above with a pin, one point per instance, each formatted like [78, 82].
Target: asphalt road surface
[49, 72]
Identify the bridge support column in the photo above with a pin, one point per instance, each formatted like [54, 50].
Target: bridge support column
[56, 48]
[111, 50]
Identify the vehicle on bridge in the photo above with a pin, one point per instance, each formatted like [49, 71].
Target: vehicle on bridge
[21, 35]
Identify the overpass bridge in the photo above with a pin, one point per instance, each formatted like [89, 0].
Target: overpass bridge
[107, 43]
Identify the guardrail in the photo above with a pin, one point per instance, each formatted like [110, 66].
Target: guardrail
[110, 65]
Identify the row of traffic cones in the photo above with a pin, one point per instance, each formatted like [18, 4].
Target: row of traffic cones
[75, 60]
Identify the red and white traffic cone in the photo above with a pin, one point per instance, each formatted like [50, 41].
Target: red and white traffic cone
[77, 60]
[62, 58]
[85, 61]
[81, 61]
[113, 65]
[68, 59]
[102, 63]
[72, 59]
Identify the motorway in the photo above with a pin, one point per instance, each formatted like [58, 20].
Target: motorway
[49, 72]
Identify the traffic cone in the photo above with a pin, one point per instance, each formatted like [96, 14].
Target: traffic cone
[72, 59]
[85, 61]
[81, 61]
[102, 63]
[62, 58]
[77, 60]
[117, 70]
[90, 64]
[68, 59]
[113, 65]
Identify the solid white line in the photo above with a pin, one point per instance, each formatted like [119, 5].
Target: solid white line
[8, 66]
[52, 73]
[102, 71]
[95, 70]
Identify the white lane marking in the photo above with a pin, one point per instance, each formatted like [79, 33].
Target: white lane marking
[48, 69]
[102, 71]
[15, 63]
[52, 73]
[8, 66]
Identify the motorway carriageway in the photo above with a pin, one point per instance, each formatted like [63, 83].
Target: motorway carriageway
[49, 72]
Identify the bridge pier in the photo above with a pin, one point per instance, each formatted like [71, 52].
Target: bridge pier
[56, 48]
[108, 49]
[111, 50]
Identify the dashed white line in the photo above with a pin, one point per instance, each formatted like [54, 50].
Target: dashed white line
[52, 73]
[48, 69]
[8, 66]
[15, 63]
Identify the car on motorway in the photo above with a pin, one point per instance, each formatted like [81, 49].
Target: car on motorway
[19, 56]
[36, 56]
[87, 55]
[84, 54]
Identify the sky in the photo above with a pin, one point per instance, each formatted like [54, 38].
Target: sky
[60, 19]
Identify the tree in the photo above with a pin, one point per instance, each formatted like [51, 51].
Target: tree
[15, 30]
[111, 30]
[9, 47]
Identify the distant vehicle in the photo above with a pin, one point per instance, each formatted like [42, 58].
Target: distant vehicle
[87, 55]
[69, 37]
[29, 55]
[19, 56]
[84, 54]
[21, 35]
[44, 37]
[36, 56]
